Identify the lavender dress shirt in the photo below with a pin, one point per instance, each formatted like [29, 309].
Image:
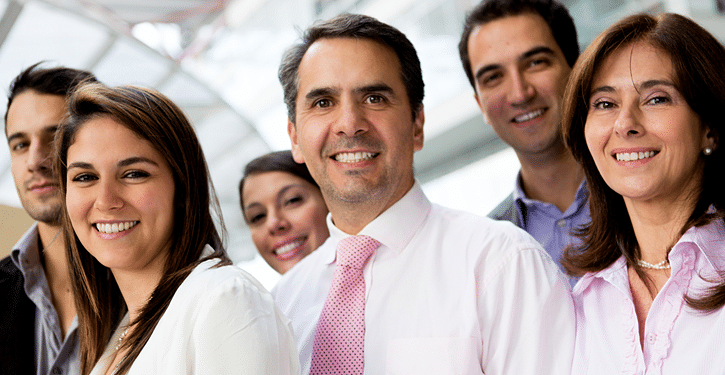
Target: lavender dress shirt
[547, 224]
[678, 339]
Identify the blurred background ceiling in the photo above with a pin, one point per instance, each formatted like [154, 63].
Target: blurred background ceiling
[218, 60]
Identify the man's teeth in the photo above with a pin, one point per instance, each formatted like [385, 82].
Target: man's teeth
[529, 116]
[115, 227]
[288, 247]
[633, 156]
[354, 157]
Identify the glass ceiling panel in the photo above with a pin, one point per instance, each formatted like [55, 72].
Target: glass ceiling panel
[187, 92]
[41, 32]
[126, 63]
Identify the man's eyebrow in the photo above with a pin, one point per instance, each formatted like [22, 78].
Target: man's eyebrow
[15, 135]
[536, 51]
[377, 87]
[322, 91]
[486, 69]
[48, 129]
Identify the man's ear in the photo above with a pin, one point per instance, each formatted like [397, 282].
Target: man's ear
[418, 129]
[292, 132]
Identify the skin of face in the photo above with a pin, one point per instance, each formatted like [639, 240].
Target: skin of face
[118, 180]
[286, 216]
[32, 120]
[354, 127]
[637, 113]
[520, 76]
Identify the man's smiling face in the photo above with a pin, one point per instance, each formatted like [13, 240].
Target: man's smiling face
[520, 76]
[354, 127]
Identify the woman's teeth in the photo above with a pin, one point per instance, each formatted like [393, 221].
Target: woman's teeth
[288, 247]
[634, 156]
[115, 227]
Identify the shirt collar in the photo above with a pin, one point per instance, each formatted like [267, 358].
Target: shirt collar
[616, 274]
[522, 203]
[395, 227]
[519, 194]
[709, 239]
[26, 253]
[582, 193]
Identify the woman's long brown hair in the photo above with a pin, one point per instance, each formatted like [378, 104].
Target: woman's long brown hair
[699, 64]
[98, 300]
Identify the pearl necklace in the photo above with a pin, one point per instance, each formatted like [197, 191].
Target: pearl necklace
[663, 265]
[120, 339]
[118, 346]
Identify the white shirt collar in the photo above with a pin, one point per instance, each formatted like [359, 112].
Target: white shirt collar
[394, 227]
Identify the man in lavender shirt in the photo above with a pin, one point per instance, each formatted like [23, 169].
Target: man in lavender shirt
[518, 55]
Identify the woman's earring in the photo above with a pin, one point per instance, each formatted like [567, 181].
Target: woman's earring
[707, 151]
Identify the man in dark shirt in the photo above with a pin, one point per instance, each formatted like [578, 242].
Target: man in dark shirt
[38, 318]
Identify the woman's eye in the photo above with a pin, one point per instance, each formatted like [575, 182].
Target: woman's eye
[84, 177]
[659, 100]
[254, 219]
[294, 200]
[603, 104]
[136, 174]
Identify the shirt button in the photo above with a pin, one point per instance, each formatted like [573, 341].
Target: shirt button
[561, 223]
[57, 370]
[652, 338]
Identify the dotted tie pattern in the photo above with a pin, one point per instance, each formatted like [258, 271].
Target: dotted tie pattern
[340, 335]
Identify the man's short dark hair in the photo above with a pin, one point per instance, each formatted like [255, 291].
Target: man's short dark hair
[59, 81]
[354, 26]
[554, 13]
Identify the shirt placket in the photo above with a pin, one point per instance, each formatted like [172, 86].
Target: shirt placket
[631, 337]
[657, 343]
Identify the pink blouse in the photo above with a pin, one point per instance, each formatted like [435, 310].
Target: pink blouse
[678, 339]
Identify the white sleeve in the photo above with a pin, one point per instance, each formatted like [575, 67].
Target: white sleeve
[527, 316]
[239, 330]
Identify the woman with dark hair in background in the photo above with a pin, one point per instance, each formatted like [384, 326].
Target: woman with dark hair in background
[643, 114]
[155, 290]
[284, 209]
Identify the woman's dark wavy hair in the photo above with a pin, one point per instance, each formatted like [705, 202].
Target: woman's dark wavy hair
[278, 161]
[98, 300]
[699, 64]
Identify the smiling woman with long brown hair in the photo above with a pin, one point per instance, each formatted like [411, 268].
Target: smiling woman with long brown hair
[155, 290]
[643, 116]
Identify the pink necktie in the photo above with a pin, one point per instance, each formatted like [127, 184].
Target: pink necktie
[340, 335]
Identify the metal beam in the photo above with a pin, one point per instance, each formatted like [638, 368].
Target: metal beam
[12, 12]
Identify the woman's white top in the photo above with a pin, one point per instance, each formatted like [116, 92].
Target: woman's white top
[220, 321]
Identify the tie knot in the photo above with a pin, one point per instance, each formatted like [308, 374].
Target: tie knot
[354, 251]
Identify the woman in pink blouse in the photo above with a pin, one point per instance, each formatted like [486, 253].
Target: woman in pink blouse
[642, 114]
